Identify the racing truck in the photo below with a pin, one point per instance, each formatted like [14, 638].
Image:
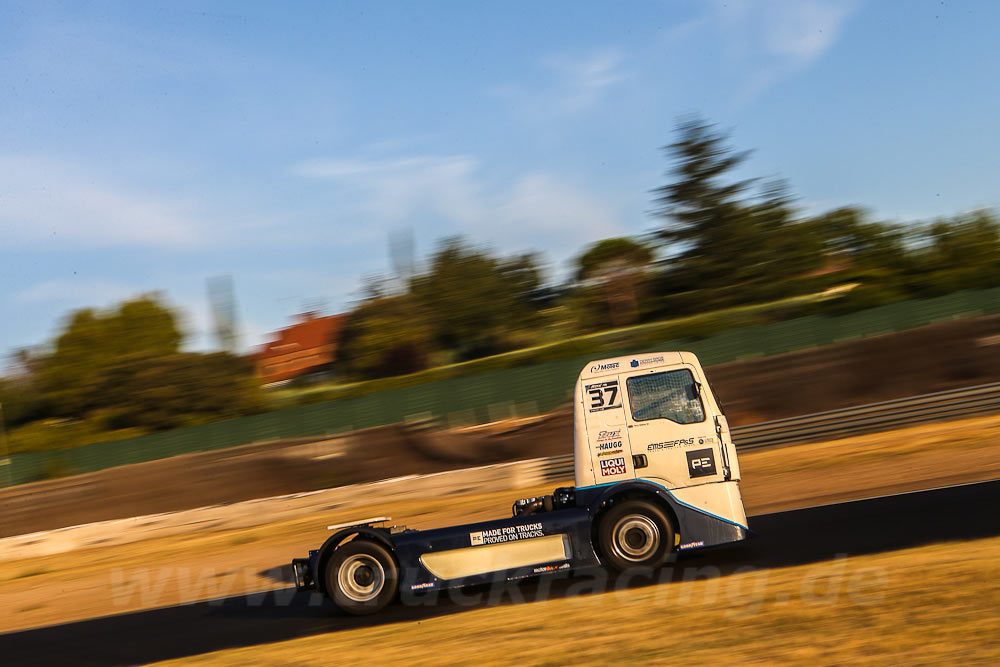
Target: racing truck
[656, 473]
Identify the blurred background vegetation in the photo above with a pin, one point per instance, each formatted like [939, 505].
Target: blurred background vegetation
[723, 253]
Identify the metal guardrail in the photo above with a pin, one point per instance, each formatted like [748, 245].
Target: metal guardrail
[870, 418]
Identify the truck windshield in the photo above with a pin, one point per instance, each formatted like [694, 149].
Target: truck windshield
[671, 395]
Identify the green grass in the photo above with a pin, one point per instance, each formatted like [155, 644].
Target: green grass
[62, 434]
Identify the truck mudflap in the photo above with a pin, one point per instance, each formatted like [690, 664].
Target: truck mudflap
[303, 573]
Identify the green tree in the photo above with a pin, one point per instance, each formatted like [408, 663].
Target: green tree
[777, 249]
[163, 392]
[93, 341]
[961, 253]
[385, 335]
[612, 275]
[725, 243]
[21, 401]
[475, 301]
[702, 206]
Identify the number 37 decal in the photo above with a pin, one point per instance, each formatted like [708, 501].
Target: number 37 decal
[603, 396]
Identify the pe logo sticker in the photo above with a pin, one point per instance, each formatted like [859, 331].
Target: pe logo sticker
[701, 462]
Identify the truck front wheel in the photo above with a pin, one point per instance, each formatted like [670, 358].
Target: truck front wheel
[635, 533]
[362, 577]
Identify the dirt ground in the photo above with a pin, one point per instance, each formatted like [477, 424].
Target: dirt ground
[934, 358]
[206, 564]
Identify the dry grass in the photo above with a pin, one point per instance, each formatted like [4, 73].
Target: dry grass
[918, 606]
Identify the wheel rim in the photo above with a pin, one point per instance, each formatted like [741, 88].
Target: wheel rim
[361, 577]
[636, 538]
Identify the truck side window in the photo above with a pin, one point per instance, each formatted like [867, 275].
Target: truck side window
[671, 395]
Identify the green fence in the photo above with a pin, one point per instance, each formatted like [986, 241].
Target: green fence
[494, 395]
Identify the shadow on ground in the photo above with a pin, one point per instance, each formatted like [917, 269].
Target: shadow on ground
[781, 539]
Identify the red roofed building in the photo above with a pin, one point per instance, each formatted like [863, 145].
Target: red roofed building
[307, 347]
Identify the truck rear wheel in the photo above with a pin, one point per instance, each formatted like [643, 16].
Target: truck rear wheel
[362, 577]
[635, 533]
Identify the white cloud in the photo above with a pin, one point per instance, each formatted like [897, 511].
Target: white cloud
[44, 200]
[574, 83]
[765, 41]
[533, 210]
[802, 31]
[582, 81]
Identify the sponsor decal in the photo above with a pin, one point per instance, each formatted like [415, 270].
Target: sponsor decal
[635, 363]
[603, 396]
[610, 366]
[611, 453]
[609, 435]
[692, 545]
[522, 531]
[420, 587]
[682, 442]
[701, 462]
[550, 568]
[611, 467]
[603, 446]
[669, 444]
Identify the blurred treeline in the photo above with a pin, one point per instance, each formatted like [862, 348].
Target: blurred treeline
[720, 242]
[118, 373]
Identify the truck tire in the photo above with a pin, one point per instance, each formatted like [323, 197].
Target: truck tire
[361, 577]
[635, 533]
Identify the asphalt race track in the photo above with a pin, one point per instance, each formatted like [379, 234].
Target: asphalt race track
[782, 539]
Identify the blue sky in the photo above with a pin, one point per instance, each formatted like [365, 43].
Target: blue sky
[149, 146]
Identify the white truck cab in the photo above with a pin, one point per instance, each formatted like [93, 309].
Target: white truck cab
[656, 474]
[654, 417]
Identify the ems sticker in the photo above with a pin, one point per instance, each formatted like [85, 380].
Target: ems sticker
[611, 467]
[603, 396]
[523, 531]
[701, 462]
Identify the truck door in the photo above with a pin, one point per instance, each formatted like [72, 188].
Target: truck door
[673, 438]
[607, 436]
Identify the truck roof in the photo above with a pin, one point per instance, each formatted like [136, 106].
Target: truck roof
[615, 365]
